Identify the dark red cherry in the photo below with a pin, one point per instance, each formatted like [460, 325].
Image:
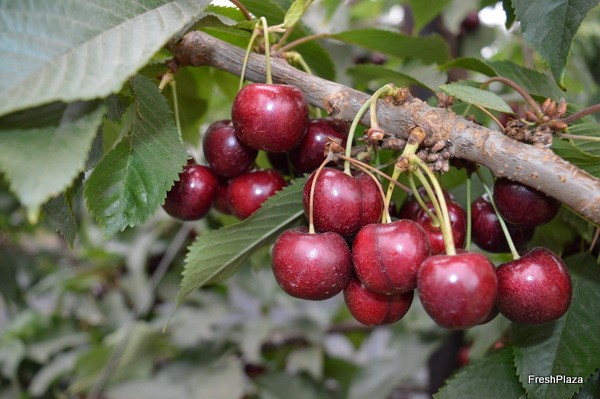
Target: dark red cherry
[386, 257]
[224, 152]
[247, 192]
[523, 205]
[222, 200]
[192, 196]
[411, 206]
[270, 117]
[534, 289]
[487, 232]
[458, 223]
[343, 204]
[373, 309]
[311, 266]
[457, 291]
[310, 153]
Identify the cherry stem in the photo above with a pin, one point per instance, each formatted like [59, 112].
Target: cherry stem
[303, 40]
[173, 85]
[578, 137]
[269, 78]
[444, 217]
[434, 219]
[243, 9]
[392, 180]
[584, 112]
[487, 189]
[515, 86]
[469, 213]
[488, 113]
[311, 200]
[387, 89]
[289, 30]
[385, 217]
[247, 56]
[390, 189]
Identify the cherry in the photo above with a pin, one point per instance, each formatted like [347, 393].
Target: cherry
[310, 153]
[371, 308]
[311, 266]
[387, 256]
[222, 200]
[411, 206]
[457, 291]
[534, 289]
[270, 117]
[470, 23]
[224, 152]
[458, 223]
[343, 204]
[523, 205]
[192, 196]
[247, 192]
[487, 232]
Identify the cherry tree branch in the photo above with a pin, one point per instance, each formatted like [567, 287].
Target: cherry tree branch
[539, 168]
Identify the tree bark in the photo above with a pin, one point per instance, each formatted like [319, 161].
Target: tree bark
[538, 168]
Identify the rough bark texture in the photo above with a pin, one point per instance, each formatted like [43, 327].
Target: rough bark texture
[539, 168]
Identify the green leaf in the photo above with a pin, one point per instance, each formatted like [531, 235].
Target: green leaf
[294, 13]
[426, 76]
[424, 11]
[591, 130]
[583, 160]
[314, 54]
[61, 217]
[217, 254]
[550, 26]
[131, 182]
[476, 96]
[39, 163]
[81, 49]
[471, 64]
[569, 346]
[493, 377]
[429, 49]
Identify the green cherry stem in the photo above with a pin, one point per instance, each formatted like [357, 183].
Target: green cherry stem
[255, 33]
[511, 245]
[435, 221]
[311, 200]
[269, 78]
[385, 90]
[469, 213]
[373, 169]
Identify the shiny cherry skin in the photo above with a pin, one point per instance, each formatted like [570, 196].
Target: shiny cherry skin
[311, 266]
[523, 205]
[457, 291]
[193, 195]
[386, 257]
[343, 204]
[534, 289]
[458, 223]
[247, 192]
[310, 153]
[411, 206]
[222, 200]
[270, 117]
[487, 232]
[225, 153]
[373, 309]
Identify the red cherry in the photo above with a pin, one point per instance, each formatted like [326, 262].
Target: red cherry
[457, 291]
[310, 153]
[247, 192]
[373, 309]
[387, 257]
[534, 289]
[458, 223]
[224, 152]
[192, 196]
[343, 204]
[311, 266]
[222, 200]
[270, 117]
[522, 205]
[411, 206]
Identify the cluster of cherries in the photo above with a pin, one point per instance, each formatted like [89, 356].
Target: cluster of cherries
[347, 248]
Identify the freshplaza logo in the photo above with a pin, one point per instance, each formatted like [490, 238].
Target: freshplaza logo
[554, 379]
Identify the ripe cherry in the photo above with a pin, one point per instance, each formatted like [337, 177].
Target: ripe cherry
[371, 308]
[224, 152]
[387, 256]
[247, 192]
[192, 196]
[343, 204]
[411, 206]
[457, 291]
[222, 200]
[270, 117]
[487, 232]
[458, 223]
[310, 153]
[311, 266]
[522, 205]
[534, 289]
